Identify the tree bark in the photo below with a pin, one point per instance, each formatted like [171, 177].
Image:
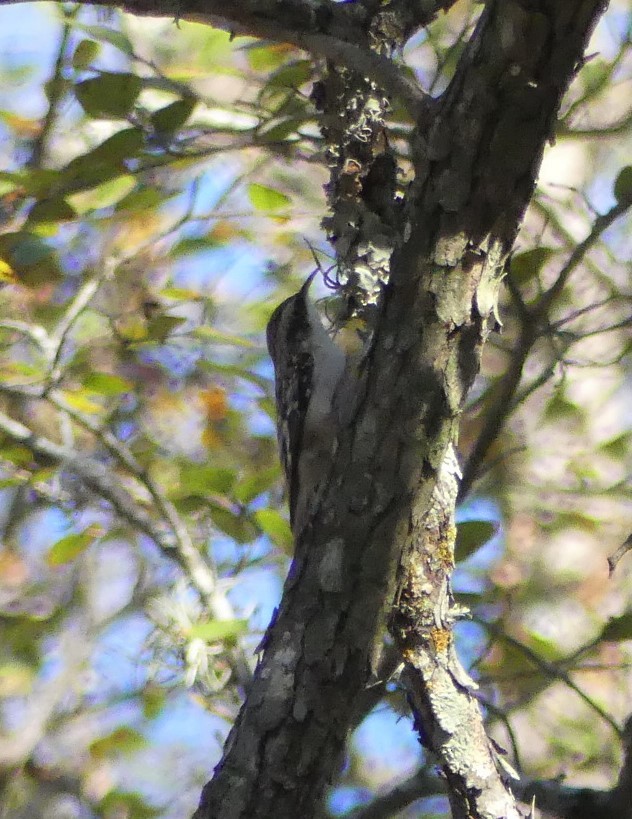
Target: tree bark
[380, 546]
[385, 527]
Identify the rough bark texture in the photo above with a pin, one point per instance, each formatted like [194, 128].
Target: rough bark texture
[476, 165]
[384, 528]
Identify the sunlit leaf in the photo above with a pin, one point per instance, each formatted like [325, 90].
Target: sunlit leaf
[254, 485]
[107, 384]
[82, 400]
[193, 244]
[267, 199]
[16, 678]
[128, 804]
[7, 274]
[122, 740]
[217, 631]
[71, 546]
[208, 333]
[180, 294]
[141, 199]
[101, 194]
[16, 454]
[276, 527]
[200, 479]
[267, 57]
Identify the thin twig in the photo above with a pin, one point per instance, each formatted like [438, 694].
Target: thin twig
[200, 573]
[530, 330]
[555, 672]
[56, 89]
[81, 300]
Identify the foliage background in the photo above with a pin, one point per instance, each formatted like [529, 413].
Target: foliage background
[152, 218]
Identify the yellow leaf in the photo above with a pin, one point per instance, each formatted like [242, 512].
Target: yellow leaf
[81, 401]
[7, 274]
[215, 403]
[132, 328]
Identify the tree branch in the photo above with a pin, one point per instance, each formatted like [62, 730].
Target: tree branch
[475, 171]
[531, 320]
[176, 545]
[335, 32]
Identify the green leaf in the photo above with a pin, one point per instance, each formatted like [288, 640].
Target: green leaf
[26, 249]
[56, 87]
[85, 54]
[160, 327]
[278, 130]
[122, 740]
[123, 144]
[107, 384]
[238, 527]
[6, 482]
[199, 479]
[52, 210]
[618, 628]
[128, 804]
[293, 74]
[471, 535]
[103, 195]
[172, 117]
[181, 294]
[108, 96]
[623, 185]
[17, 454]
[217, 631]
[561, 408]
[16, 678]
[267, 199]
[108, 35]
[254, 485]
[153, 699]
[267, 57]
[617, 447]
[276, 527]
[71, 546]
[527, 265]
[207, 333]
[33, 261]
[142, 199]
[193, 244]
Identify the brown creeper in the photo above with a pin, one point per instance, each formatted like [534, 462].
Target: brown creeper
[308, 367]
